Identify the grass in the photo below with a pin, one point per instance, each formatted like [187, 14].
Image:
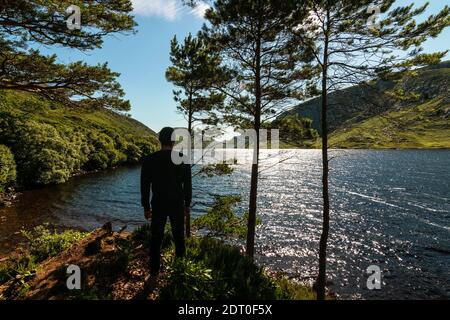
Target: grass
[45, 243]
[291, 290]
[213, 270]
[355, 123]
[25, 105]
[42, 243]
[417, 127]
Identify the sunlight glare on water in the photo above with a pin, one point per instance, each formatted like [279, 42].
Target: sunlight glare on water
[388, 208]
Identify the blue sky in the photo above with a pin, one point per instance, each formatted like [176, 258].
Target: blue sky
[143, 58]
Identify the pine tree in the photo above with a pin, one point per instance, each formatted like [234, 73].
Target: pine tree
[262, 75]
[351, 48]
[194, 67]
[25, 24]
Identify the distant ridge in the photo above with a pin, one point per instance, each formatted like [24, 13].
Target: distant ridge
[360, 117]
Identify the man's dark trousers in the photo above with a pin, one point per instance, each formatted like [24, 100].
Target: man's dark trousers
[158, 223]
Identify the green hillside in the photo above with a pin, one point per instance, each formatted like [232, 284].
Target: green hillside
[50, 143]
[423, 126]
[363, 117]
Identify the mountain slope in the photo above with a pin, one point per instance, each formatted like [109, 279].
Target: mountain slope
[358, 116]
[50, 142]
[423, 126]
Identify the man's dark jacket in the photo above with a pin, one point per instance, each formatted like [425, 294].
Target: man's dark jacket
[170, 183]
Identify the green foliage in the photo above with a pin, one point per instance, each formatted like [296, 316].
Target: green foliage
[44, 243]
[188, 280]
[44, 155]
[143, 235]
[422, 126]
[52, 144]
[236, 275]
[220, 219]
[7, 168]
[213, 270]
[295, 130]
[194, 68]
[215, 169]
[362, 102]
[23, 267]
[253, 39]
[24, 24]
[103, 153]
[290, 290]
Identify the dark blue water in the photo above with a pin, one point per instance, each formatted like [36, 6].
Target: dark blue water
[388, 208]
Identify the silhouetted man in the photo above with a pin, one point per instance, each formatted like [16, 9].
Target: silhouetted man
[171, 190]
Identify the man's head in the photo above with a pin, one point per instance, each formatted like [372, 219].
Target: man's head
[165, 137]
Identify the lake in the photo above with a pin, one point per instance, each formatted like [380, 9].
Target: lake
[389, 208]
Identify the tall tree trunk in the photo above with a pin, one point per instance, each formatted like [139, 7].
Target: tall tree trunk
[252, 203]
[255, 164]
[188, 215]
[321, 281]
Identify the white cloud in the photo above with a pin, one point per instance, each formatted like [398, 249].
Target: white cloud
[167, 9]
[200, 9]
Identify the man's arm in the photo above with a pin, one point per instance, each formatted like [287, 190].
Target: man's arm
[146, 182]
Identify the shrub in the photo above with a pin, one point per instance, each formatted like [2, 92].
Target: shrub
[220, 219]
[7, 168]
[290, 290]
[214, 270]
[295, 129]
[235, 275]
[147, 146]
[43, 155]
[44, 243]
[188, 280]
[50, 143]
[102, 154]
[217, 169]
[98, 160]
[23, 266]
[133, 153]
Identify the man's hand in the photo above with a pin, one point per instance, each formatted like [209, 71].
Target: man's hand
[148, 214]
